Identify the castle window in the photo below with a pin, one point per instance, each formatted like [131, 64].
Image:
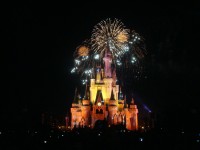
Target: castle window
[99, 111]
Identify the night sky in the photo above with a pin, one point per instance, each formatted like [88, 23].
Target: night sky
[38, 44]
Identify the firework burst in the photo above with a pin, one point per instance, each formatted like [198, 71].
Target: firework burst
[110, 35]
[127, 49]
[83, 49]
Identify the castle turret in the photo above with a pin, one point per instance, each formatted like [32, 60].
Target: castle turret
[87, 92]
[120, 101]
[98, 74]
[132, 104]
[112, 101]
[76, 100]
[86, 99]
[112, 108]
[120, 97]
[75, 97]
[85, 108]
[134, 116]
[76, 110]
[125, 103]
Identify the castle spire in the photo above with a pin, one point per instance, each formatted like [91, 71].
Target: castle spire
[132, 102]
[120, 94]
[76, 96]
[112, 97]
[99, 97]
[107, 60]
[98, 74]
[86, 96]
[125, 103]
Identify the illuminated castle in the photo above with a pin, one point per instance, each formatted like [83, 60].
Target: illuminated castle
[104, 100]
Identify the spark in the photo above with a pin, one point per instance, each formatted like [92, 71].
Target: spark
[77, 61]
[96, 56]
[73, 70]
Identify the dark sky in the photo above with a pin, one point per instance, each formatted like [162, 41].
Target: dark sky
[39, 40]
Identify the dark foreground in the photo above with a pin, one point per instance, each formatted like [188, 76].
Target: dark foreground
[109, 138]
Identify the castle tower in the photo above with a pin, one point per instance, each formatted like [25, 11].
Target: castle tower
[85, 108]
[67, 121]
[98, 75]
[120, 94]
[112, 108]
[107, 61]
[76, 110]
[120, 101]
[105, 84]
[133, 114]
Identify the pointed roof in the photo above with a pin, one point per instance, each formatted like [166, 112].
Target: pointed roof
[101, 76]
[107, 52]
[98, 74]
[132, 101]
[86, 96]
[112, 97]
[99, 96]
[76, 96]
[120, 94]
[125, 104]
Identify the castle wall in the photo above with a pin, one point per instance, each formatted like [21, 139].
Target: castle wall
[83, 116]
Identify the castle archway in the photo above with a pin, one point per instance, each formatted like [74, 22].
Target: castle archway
[100, 124]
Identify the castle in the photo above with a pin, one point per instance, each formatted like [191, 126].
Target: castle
[104, 100]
